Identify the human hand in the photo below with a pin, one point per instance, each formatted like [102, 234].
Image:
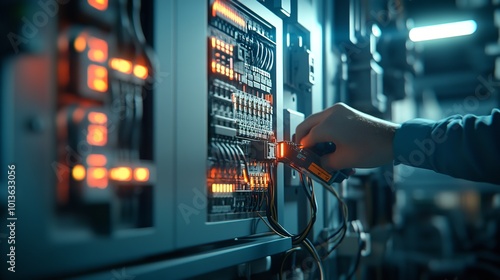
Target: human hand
[362, 140]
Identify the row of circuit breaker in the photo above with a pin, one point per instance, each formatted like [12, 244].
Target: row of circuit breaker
[241, 95]
[102, 98]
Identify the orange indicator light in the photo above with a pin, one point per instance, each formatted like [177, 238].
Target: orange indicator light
[78, 172]
[97, 118]
[245, 175]
[141, 174]
[98, 50]
[80, 43]
[213, 172]
[97, 135]
[221, 9]
[96, 160]
[99, 85]
[101, 5]
[140, 71]
[222, 188]
[97, 78]
[121, 173]
[121, 65]
[97, 55]
[281, 150]
[97, 177]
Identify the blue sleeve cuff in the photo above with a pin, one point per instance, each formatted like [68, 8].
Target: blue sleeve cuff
[407, 142]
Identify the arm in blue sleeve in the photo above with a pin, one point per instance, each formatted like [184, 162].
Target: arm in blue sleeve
[465, 147]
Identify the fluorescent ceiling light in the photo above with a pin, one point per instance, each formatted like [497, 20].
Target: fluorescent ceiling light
[440, 31]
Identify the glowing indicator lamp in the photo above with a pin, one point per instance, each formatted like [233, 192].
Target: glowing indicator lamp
[281, 150]
[78, 172]
[80, 43]
[121, 65]
[121, 174]
[97, 78]
[97, 118]
[222, 188]
[96, 160]
[98, 49]
[221, 9]
[97, 135]
[97, 177]
[141, 174]
[440, 31]
[245, 176]
[100, 5]
[140, 71]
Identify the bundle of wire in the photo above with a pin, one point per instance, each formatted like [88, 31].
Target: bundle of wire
[338, 235]
[299, 239]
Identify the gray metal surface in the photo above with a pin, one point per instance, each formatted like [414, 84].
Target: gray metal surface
[236, 252]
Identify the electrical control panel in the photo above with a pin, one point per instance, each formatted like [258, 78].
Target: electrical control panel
[103, 107]
[80, 99]
[241, 105]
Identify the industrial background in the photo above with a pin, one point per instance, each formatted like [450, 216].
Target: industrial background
[142, 139]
